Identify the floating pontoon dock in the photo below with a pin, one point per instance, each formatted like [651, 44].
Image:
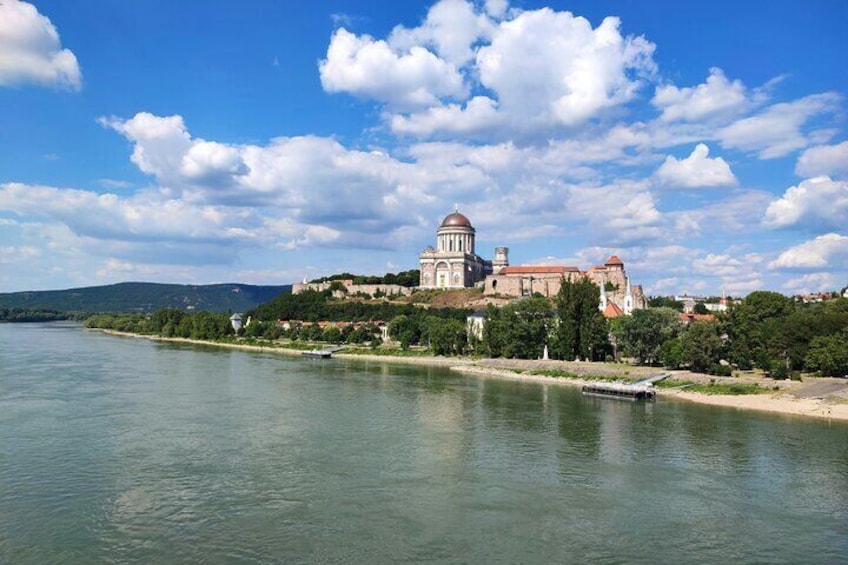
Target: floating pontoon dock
[642, 390]
[317, 353]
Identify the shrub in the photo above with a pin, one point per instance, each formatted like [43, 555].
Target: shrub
[720, 370]
[779, 372]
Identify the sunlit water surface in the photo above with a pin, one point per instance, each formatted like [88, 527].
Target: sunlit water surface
[122, 450]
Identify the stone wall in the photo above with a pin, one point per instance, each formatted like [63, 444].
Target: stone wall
[352, 289]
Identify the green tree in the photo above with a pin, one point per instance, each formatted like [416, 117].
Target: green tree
[829, 355]
[520, 330]
[582, 329]
[532, 323]
[495, 331]
[447, 337]
[701, 345]
[643, 334]
[753, 339]
[671, 353]
[665, 302]
[332, 334]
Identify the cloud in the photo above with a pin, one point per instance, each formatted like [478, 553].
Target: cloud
[553, 66]
[11, 254]
[143, 217]
[210, 161]
[812, 282]
[159, 142]
[620, 214]
[737, 273]
[729, 215]
[777, 130]
[717, 97]
[823, 160]
[114, 183]
[451, 29]
[829, 251]
[469, 72]
[717, 265]
[371, 199]
[478, 115]
[30, 49]
[696, 171]
[369, 68]
[816, 204]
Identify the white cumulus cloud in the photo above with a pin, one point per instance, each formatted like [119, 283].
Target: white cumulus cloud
[160, 142]
[812, 282]
[31, 51]
[823, 160]
[697, 170]
[475, 70]
[817, 204]
[779, 129]
[553, 66]
[369, 68]
[715, 97]
[451, 29]
[826, 251]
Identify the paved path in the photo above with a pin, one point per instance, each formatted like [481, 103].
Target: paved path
[822, 388]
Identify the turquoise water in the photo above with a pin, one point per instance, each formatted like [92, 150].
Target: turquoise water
[121, 450]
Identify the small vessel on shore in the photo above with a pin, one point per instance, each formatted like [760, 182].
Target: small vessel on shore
[620, 390]
[317, 353]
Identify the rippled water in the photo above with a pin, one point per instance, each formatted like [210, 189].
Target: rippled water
[121, 450]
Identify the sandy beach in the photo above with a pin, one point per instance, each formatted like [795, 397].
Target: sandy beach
[821, 398]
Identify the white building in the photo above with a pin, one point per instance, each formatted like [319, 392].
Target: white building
[453, 263]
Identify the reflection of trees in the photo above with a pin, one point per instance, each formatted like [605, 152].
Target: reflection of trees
[578, 422]
[515, 403]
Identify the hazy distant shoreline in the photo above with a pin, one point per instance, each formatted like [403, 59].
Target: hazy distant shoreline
[780, 401]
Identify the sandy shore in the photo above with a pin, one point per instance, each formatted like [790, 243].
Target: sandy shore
[780, 403]
[792, 398]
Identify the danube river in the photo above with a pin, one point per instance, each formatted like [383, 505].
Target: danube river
[122, 450]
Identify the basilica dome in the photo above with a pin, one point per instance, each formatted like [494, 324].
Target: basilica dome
[456, 220]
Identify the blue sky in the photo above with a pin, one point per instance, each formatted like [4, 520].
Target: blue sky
[264, 142]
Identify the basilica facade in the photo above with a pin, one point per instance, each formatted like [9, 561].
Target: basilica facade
[454, 263]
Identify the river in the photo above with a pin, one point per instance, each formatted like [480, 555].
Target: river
[124, 450]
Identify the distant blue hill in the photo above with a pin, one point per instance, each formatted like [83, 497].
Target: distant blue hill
[145, 297]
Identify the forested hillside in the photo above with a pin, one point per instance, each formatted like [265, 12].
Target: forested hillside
[145, 297]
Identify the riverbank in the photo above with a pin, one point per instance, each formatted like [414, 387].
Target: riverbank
[822, 398]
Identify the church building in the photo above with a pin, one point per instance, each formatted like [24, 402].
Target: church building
[454, 262]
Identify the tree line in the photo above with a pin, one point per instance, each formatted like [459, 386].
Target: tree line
[168, 322]
[314, 306]
[36, 315]
[409, 278]
[766, 330]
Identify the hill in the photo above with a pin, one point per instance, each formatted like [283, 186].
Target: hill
[145, 297]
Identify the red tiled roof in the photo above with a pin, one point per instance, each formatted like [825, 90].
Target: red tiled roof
[613, 311]
[614, 260]
[537, 270]
[696, 317]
